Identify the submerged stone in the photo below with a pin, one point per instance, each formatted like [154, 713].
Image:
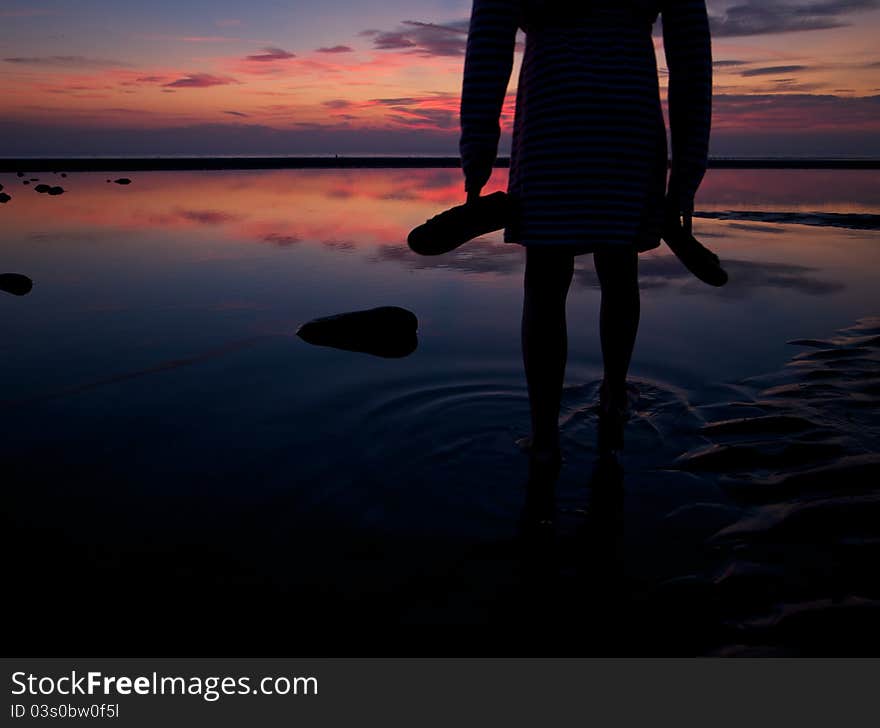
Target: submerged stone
[15, 283]
[387, 331]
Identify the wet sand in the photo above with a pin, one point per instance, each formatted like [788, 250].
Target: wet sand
[775, 556]
[743, 522]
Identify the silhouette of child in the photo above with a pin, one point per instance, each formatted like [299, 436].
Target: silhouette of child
[588, 167]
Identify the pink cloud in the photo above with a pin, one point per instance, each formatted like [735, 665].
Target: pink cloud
[200, 80]
[270, 55]
[207, 39]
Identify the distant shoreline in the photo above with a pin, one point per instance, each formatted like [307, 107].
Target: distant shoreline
[158, 164]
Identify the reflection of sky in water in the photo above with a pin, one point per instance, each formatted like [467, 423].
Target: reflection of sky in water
[169, 306]
[179, 263]
[156, 400]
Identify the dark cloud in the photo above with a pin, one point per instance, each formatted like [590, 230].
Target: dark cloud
[392, 41]
[271, 54]
[424, 39]
[793, 113]
[208, 217]
[726, 64]
[77, 61]
[435, 118]
[759, 17]
[281, 240]
[426, 112]
[236, 113]
[399, 101]
[336, 104]
[335, 49]
[772, 70]
[200, 80]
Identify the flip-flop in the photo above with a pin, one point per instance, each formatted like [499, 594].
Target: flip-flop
[454, 227]
[697, 258]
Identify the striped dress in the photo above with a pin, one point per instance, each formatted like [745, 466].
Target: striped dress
[589, 155]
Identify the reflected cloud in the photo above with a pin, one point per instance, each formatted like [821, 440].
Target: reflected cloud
[209, 217]
[756, 228]
[852, 221]
[664, 271]
[478, 256]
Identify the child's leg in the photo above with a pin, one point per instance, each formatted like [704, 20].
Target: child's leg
[545, 342]
[619, 315]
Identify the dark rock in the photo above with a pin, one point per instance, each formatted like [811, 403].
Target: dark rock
[35, 179]
[42, 188]
[20, 174]
[26, 182]
[1, 188]
[55, 191]
[123, 181]
[64, 174]
[16, 284]
[387, 331]
[4, 198]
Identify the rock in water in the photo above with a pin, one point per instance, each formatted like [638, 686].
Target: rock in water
[42, 189]
[55, 191]
[123, 181]
[387, 331]
[19, 174]
[4, 198]
[15, 283]
[1, 188]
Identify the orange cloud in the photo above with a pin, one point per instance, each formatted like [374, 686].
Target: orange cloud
[200, 80]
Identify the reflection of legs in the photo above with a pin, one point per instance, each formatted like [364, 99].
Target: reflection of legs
[619, 316]
[545, 342]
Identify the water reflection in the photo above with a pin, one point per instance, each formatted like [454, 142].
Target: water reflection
[161, 374]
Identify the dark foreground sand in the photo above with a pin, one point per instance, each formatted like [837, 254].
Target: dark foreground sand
[748, 523]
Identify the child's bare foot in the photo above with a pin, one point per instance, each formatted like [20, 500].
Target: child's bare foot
[615, 408]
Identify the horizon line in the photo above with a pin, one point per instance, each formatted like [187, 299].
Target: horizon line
[141, 163]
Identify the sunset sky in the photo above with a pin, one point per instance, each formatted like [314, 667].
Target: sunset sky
[86, 77]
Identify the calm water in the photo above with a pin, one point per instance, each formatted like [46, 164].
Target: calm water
[158, 408]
